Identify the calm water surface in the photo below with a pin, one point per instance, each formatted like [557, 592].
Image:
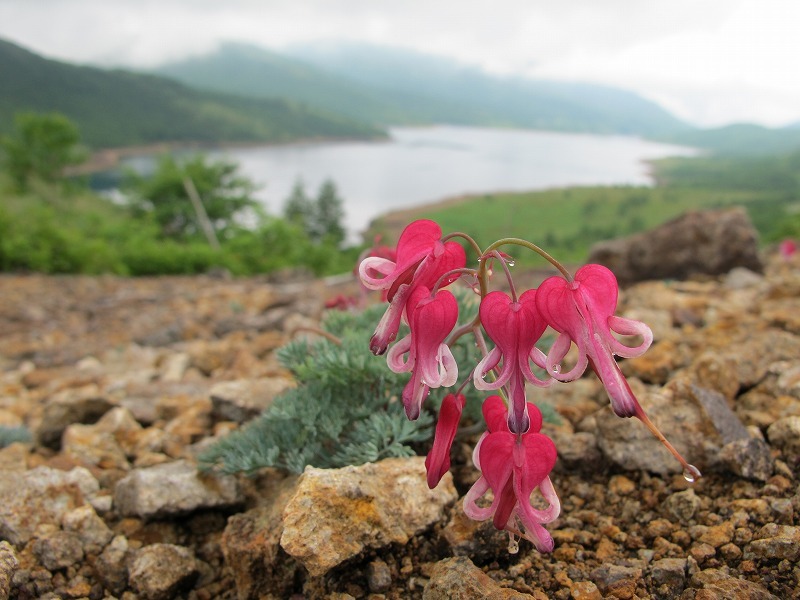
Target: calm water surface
[419, 165]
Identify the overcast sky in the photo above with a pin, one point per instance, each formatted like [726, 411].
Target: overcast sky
[710, 62]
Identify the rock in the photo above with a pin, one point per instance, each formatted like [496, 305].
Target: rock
[174, 366]
[458, 579]
[66, 410]
[709, 242]
[40, 496]
[618, 580]
[243, 399]
[173, 488]
[90, 529]
[477, 539]
[697, 421]
[8, 566]
[58, 550]
[337, 513]
[111, 565]
[161, 571]
[749, 458]
[717, 585]
[379, 576]
[785, 435]
[91, 447]
[252, 550]
[669, 576]
[585, 590]
[683, 505]
[776, 542]
[577, 451]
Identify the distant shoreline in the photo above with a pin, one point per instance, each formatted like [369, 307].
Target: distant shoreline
[107, 159]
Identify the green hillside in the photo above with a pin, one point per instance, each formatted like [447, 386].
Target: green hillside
[121, 108]
[395, 87]
[741, 139]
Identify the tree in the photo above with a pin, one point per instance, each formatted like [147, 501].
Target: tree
[42, 146]
[328, 215]
[226, 196]
[298, 208]
[320, 219]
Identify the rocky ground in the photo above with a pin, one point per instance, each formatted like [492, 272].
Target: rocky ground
[122, 381]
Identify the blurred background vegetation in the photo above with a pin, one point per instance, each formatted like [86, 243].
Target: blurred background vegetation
[51, 222]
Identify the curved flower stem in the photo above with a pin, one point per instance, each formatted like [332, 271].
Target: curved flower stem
[464, 236]
[449, 274]
[690, 472]
[531, 246]
[498, 256]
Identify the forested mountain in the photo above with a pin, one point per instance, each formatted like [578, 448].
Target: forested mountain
[122, 108]
[389, 86]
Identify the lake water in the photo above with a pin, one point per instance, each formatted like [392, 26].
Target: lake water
[419, 165]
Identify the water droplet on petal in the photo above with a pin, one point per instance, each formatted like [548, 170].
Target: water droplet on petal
[556, 368]
[513, 544]
[691, 473]
[510, 263]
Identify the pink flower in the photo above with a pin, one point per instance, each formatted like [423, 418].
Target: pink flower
[437, 463]
[512, 466]
[787, 249]
[582, 311]
[422, 259]
[514, 327]
[430, 360]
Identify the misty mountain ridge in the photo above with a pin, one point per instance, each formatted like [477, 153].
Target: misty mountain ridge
[116, 107]
[393, 86]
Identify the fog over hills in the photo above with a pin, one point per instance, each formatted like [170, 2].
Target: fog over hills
[390, 86]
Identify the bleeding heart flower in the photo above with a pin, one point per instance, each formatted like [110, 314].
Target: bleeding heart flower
[514, 327]
[422, 259]
[437, 463]
[430, 360]
[512, 466]
[582, 311]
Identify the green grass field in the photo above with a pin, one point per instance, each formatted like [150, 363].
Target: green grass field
[566, 222]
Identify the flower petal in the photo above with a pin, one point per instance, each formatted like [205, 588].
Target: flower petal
[437, 462]
[628, 327]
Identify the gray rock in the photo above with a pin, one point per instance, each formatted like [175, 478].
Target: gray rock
[61, 412]
[58, 550]
[577, 451]
[610, 578]
[749, 458]
[785, 435]
[161, 571]
[337, 513]
[379, 576]
[697, 421]
[8, 566]
[173, 488]
[41, 496]
[669, 576]
[243, 399]
[717, 585]
[90, 529]
[776, 542]
[458, 579]
[111, 565]
[683, 505]
[708, 242]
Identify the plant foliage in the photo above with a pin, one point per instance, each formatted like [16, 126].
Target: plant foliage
[345, 409]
